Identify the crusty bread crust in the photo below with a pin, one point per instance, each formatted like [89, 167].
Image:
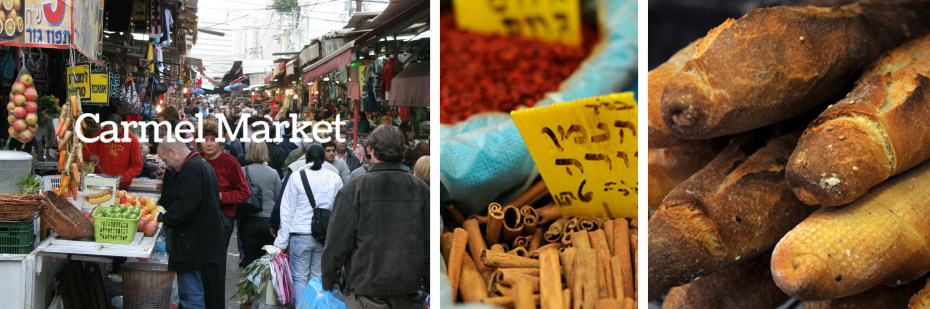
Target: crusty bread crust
[659, 135]
[735, 207]
[775, 63]
[747, 284]
[841, 251]
[881, 128]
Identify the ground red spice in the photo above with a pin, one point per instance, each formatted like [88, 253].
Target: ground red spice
[486, 72]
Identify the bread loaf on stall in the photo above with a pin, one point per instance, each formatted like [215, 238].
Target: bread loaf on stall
[921, 299]
[746, 284]
[882, 237]
[669, 166]
[881, 128]
[736, 207]
[659, 135]
[775, 63]
[882, 296]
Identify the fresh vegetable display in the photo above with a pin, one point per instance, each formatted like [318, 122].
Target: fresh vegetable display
[30, 184]
[22, 107]
[71, 157]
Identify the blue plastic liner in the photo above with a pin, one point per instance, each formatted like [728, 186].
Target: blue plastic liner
[484, 158]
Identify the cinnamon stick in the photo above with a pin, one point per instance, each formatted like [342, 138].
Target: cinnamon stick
[476, 242]
[536, 192]
[567, 239]
[567, 257]
[629, 303]
[617, 275]
[581, 240]
[536, 239]
[522, 241]
[604, 279]
[495, 247]
[610, 303]
[523, 295]
[456, 255]
[530, 219]
[553, 246]
[566, 299]
[472, 285]
[554, 233]
[550, 280]
[457, 217]
[622, 247]
[548, 214]
[505, 301]
[493, 258]
[519, 251]
[482, 220]
[585, 289]
[525, 271]
[609, 234]
[511, 278]
[513, 224]
[571, 226]
[495, 223]
[589, 223]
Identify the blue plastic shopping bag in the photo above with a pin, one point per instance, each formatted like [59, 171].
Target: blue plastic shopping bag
[314, 297]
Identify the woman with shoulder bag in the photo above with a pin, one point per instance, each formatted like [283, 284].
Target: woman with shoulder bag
[298, 208]
[253, 228]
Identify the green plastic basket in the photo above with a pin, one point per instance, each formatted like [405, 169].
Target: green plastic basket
[17, 237]
[113, 230]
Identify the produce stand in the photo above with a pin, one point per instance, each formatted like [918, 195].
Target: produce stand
[141, 247]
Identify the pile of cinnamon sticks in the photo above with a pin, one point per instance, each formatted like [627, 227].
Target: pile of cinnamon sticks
[522, 257]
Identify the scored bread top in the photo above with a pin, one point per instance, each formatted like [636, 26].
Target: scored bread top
[769, 65]
[880, 129]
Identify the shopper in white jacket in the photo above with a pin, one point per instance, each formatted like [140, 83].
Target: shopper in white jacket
[297, 213]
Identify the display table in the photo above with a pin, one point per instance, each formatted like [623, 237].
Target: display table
[80, 249]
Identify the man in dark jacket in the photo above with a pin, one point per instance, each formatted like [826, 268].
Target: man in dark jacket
[193, 216]
[378, 231]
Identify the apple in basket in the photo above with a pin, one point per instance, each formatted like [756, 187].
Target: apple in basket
[31, 94]
[18, 88]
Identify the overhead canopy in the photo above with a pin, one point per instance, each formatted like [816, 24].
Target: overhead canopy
[411, 86]
[340, 58]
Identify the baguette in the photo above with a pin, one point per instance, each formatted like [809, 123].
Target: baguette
[668, 167]
[736, 207]
[921, 299]
[840, 251]
[879, 130]
[775, 63]
[659, 135]
[747, 284]
[882, 296]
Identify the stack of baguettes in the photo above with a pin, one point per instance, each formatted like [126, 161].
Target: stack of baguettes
[754, 200]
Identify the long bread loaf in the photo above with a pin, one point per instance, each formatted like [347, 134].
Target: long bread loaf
[659, 135]
[774, 63]
[669, 166]
[747, 284]
[880, 238]
[882, 296]
[736, 207]
[922, 298]
[882, 128]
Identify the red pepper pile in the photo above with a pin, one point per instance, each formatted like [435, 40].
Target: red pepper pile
[484, 72]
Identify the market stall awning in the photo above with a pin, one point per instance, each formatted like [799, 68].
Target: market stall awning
[341, 57]
[411, 86]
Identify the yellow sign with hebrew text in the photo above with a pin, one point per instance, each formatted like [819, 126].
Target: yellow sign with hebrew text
[586, 151]
[547, 20]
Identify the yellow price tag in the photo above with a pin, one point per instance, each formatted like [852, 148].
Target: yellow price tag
[586, 151]
[548, 20]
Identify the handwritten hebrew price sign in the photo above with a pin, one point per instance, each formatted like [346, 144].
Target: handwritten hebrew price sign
[586, 152]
